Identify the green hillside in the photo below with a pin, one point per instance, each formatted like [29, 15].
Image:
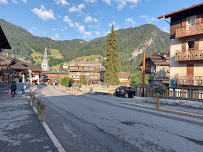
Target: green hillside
[131, 43]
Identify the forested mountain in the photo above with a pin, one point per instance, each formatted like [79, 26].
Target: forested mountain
[131, 43]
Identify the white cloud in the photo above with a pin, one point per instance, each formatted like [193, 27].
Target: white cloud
[14, 1]
[95, 20]
[97, 33]
[53, 29]
[122, 3]
[165, 29]
[62, 2]
[130, 20]
[77, 9]
[65, 27]
[78, 27]
[148, 19]
[24, 1]
[116, 26]
[31, 31]
[43, 13]
[56, 36]
[81, 29]
[3, 2]
[68, 20]
[108, 2]
[90, 1]
[90, 19]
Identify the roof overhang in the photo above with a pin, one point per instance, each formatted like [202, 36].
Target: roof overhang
[181, 11]
[4, 44]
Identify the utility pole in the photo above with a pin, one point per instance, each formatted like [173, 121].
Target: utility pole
[143, 75]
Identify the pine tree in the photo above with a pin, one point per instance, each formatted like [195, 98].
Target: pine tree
[112, 60]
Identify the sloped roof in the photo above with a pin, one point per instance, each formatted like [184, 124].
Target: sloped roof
[182, 10]
[18, 65]
[160, 58]
[6, 60]
[4, 44]
[124, 74]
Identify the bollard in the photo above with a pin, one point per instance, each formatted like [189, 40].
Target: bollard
[75, 90]
[38, 107]
[42, 111]
[157, 100]
[33, 101]
[31, 98]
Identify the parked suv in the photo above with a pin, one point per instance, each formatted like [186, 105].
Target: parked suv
[125, 91]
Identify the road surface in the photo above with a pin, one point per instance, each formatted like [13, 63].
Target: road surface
[94, 123]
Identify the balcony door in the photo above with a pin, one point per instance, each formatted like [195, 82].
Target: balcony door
[190, 74]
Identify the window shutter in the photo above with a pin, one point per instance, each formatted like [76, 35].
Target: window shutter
[184, 23]
[183, 46]
[197, 44]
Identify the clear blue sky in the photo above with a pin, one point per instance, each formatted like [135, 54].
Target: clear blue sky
[86, 19]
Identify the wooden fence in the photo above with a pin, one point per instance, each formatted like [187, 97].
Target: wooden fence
[174, 93]
[40, 104]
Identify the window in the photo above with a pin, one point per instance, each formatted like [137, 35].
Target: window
[191, 21]
[191, 45]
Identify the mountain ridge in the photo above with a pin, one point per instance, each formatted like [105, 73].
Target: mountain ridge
[131, 43]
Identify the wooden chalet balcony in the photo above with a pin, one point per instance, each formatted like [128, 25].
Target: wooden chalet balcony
[189, 55]
[189, 80]
[189, 30]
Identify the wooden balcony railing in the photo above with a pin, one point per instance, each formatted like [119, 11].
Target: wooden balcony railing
[189, 80]
[189, 55]
[189, 30]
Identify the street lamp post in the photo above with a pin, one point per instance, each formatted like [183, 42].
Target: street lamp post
[143, 76]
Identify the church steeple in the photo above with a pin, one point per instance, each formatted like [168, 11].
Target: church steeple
[45, 61]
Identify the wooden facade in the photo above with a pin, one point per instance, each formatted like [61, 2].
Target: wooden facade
[53, 76]
[157, 65]
[92, 71]
[186, 49]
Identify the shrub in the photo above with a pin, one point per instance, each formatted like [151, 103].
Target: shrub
[66, 81]
[156, 87]
[42, 83]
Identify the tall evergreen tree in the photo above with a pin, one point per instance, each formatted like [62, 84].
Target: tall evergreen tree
[112, 60]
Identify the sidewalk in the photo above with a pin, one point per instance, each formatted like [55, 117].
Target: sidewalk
[20, 128]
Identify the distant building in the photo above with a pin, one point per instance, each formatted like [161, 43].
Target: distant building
[157, 65]
[124, 78]
[45, 62]
[53, 76]
[93, 72]
[65, 65]
[186, 54]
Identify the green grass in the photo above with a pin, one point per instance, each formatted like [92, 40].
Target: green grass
[55, 53]
[35, 55]
[55, 67]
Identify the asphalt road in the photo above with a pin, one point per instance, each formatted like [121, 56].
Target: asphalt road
[100, 123]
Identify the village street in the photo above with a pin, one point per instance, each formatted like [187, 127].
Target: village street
[100, 123]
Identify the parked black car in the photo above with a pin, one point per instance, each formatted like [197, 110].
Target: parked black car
[125, 91]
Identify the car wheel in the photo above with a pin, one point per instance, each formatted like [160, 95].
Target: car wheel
[126, 95]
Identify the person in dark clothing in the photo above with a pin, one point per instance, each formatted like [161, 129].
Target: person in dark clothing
[13, 88]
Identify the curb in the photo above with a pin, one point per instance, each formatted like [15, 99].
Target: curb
[51, 135]
[166, 110]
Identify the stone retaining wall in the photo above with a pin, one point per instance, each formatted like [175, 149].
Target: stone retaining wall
[185, 103]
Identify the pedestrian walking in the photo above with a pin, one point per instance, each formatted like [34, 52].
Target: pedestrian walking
[13, 88]
[23, 87]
